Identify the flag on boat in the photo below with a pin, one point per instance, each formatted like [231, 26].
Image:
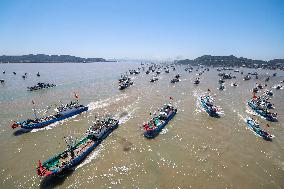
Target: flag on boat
[76, 95]
[254, 96]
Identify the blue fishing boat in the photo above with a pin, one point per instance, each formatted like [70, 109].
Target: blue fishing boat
[157, 123]
[262, 111]
[76, 153]
[63, 112]
[254, 126]
[207, 103]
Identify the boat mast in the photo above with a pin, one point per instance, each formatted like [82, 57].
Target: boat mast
[34, 109]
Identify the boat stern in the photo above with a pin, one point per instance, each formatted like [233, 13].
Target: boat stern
[15, 125]
[42, 171]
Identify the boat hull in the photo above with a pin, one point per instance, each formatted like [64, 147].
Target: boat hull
[45, 123]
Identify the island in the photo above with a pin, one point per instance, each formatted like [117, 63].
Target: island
[233, 61]
[43, 58]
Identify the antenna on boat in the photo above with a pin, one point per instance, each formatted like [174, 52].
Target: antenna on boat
[70, 141]
[47, 109]
[34, 109]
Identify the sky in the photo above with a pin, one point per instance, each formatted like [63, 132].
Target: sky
[144, 29]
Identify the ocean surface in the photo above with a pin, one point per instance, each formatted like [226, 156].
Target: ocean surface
[193, 151]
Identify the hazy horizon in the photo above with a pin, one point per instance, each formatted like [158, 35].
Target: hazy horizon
[158, 30]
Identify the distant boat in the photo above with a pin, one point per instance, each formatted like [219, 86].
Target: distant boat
[196, 81]
[39, 86]
[154, 79]
[221, 87]
[235, 84]
[176, 79]
[247, 77]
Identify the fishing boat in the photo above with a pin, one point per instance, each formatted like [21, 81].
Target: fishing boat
[63, 112]
[260, 86]
[278, 87]
[123, 78]
[221, 87]
[125, 85]
[221, 74]
[221, 81]
[227, 76]
[235, 84]
[134, 72]
[254, 126]
[196, 81]
[154, 79]
[255, 105]
[176, 79]
[255, 90]
[77, 151]
[124, 82]
[39, 86]
[157, 123]
[207, 103]
[247, 77]
[2, 81]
